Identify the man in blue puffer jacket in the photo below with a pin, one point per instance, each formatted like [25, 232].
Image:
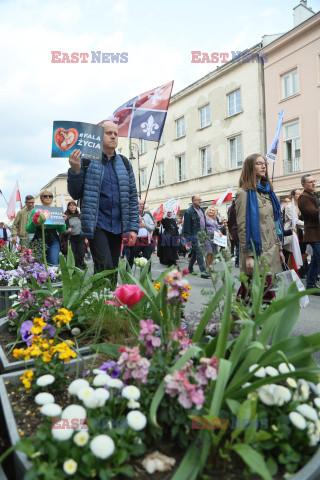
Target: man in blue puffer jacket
[109, 200]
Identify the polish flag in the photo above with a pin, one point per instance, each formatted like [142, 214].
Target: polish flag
[158, 213]
[226, 197]
[15, 197]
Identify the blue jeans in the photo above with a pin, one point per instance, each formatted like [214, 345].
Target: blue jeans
[53, 252]
[314, 267]
[197, 255]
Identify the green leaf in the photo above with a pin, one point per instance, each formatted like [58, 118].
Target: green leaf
[244, 414]
[262, 436]
[207, 314]
[272, 465]
[288, 317]
[126, 470]
[253, 459]
[226, 319]
[26, 446]
[110, 349]
[233, 405]
[195, 458]
[221, 382]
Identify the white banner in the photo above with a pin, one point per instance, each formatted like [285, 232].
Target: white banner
[170, 204]
[221, 241]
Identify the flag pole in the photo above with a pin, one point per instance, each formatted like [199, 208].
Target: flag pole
[4, 198]
[272, 172]
[152, 171]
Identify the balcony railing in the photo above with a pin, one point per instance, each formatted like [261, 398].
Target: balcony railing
[292, 165]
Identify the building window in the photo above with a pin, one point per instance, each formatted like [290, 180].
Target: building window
[160, 174]
[142, 146]
[180, 128]
[234, 102]
[290, 83]
[204, 113]
[143, 177]
[181, 168]
[291, 138]
[235, 148]
[161, 142]
[205, 161]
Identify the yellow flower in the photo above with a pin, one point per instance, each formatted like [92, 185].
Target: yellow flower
[161, 313]
[46, 357]
[36, 329]
[40, 322]
[26, 378]
[18, 353]
[35, 351]
[157, 286]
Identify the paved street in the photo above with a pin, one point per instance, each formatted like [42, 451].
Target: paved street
[309, 320]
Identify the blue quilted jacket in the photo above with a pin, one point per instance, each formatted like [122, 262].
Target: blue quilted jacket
[86, 186]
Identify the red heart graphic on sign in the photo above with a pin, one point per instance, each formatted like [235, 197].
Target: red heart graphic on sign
[46, 213]
[65, 139]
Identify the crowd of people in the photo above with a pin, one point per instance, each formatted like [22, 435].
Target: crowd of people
[114, 222]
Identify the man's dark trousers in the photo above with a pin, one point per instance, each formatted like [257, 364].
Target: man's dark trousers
[105, 248]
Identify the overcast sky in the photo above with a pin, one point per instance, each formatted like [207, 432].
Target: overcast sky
[158, 37]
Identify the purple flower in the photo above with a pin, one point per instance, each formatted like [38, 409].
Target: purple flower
[111, 368]
[50, 330]
[25, 333]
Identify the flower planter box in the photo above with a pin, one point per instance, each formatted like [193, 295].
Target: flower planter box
[16, 366]
[21, 463]
[5, 293]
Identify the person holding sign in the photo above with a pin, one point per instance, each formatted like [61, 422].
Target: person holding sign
[258, 213]
[109, 197]
[51, 231]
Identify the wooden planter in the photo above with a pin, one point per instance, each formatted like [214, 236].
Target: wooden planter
[18, 365]
[21, 463]
[5, 293]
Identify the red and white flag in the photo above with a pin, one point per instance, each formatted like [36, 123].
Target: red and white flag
[176, 209]
[226, 197]
[158, 213]
[15, 197]
[143, 116]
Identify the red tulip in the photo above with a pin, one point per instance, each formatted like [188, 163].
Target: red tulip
[128, 294]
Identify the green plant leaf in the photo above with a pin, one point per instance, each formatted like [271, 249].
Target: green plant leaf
[253, 459]
[194, 459]
[221, 382]
[233, 405]
[107, 349]
[288, 318]
[226, 319]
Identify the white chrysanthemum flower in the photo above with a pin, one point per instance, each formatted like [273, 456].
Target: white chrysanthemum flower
[85, 392]
[115, 383]
[261, 373]
[61, 434]
[313, 440]
[291, 382]
[97, 371]
[303, 391]
[77, 385]
[45, 380]
[298, 420]
[70, 466]
[317, 402]
[266, 395]
[136, 420]
[43, 398]
[131, 392]
[75, 331]
[102, 395]
[101, 380]
[132, 404]
[51, 410]
[271, 371]
[102, 446]
[74, 411]
[282, 395]
[81, 438]
[308, 412]
[284, 368]
[318, 388]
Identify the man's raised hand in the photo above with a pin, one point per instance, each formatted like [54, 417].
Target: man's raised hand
[75, 161]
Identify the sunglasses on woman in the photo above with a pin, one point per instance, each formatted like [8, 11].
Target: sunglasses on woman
[47, 196]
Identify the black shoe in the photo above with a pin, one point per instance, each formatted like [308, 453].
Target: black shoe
[205, 275]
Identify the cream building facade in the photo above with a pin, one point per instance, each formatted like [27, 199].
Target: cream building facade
[211, 126]
[292, 83]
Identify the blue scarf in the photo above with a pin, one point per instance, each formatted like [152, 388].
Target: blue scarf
[252, 218]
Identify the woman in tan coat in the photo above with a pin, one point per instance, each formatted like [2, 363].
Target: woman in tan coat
[258, 210]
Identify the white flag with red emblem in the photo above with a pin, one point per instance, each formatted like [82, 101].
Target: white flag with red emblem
[143, 116]
[15, 197]
[158, 213]
[176, 209]
[226, 197]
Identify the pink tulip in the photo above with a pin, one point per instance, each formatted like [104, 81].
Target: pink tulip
[128, 294]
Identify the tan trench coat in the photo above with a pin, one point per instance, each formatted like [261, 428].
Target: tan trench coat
[271, 245]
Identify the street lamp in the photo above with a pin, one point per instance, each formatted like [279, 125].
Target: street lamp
[134, 146]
